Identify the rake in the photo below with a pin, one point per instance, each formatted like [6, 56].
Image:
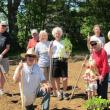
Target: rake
[74, 88]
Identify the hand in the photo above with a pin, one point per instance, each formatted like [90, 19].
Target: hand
[20, 64]
[1, 56]
[46, 87]
[101, 78]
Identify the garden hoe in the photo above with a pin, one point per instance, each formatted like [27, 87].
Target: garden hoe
[74, 88]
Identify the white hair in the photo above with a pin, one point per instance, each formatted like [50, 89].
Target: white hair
[109, 35]
[41, 33]
[34, 31]
[57, 29]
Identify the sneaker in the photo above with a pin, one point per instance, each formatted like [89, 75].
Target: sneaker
[1, 92]
[60, 96]
[65, 96]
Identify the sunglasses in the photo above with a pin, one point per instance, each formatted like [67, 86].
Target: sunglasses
[92, 44]
[3, 25]
[31, 56]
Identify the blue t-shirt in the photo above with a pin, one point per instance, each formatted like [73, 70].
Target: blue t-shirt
[41, 50]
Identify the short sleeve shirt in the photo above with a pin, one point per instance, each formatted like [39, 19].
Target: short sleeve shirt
[4, 40]
[32, 77]
[41, 50]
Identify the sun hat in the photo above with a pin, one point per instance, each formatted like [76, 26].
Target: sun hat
[95, 39]
[30, 51]
[4, 23]
[34, 31]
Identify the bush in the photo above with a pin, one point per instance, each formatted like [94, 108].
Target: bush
[97, 103]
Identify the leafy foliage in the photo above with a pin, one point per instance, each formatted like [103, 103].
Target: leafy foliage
[97, 103]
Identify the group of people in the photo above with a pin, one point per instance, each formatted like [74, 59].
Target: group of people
[43, 70]
[97, 71]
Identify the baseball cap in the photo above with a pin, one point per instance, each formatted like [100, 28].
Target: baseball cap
[4, 23]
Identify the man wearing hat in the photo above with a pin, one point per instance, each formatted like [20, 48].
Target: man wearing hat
[4, 48]
[33, 41]
[32, 81]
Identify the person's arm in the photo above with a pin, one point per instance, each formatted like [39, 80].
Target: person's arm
[37, 50]
[18, 72]
[104, 64]
[29, 44]
[6, 50]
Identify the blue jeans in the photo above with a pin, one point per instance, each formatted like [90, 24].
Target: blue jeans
[45, 100]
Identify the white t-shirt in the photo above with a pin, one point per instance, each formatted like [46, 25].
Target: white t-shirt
[107, 49]
[57, 46]
[32, 77]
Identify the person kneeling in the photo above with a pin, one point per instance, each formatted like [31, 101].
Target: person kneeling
[31, 82]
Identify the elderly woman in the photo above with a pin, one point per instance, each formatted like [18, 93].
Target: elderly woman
[59, 66]
[107, 49]
[41, 50]
[33, 41]
[32, 82]
[5, 42]
[100, 57]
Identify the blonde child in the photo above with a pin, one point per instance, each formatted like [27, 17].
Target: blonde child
[90, 76]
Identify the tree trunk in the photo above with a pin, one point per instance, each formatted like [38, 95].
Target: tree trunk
[12, 20]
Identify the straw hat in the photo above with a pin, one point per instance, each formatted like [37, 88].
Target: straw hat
[30, 51]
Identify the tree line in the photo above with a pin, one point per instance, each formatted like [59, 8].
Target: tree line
[76, 17]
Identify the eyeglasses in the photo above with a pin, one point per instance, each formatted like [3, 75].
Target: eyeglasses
[3, 25]
[93, 44]
[31, 56]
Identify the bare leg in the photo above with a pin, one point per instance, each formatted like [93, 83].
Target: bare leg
[53, 86]
[93, 93]
[89, 94]
[57, 84]
[65, 83]
[2, 81]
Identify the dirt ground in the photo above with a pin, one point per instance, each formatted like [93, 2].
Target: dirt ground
[11, 100]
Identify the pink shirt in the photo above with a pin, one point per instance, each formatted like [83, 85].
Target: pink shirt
[32, 43]
[100, 58]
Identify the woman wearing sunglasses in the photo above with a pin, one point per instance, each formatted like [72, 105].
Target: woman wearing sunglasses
[32, 82]
[100, 57]
[96, 34]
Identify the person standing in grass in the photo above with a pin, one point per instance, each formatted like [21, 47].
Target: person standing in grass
[107, 49]
[32, 82]
[41, 50]
[4, 48]
[33, 41]
[59, 64]
[99, 55]
[90, 76]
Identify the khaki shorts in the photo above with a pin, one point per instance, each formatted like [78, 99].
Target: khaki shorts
[5, 63]
[45, 71]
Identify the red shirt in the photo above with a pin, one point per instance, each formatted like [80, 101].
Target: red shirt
[100, 58]
[32, 43]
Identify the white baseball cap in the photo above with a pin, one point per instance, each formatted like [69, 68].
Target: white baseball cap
[95, 39]
[4, 23]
